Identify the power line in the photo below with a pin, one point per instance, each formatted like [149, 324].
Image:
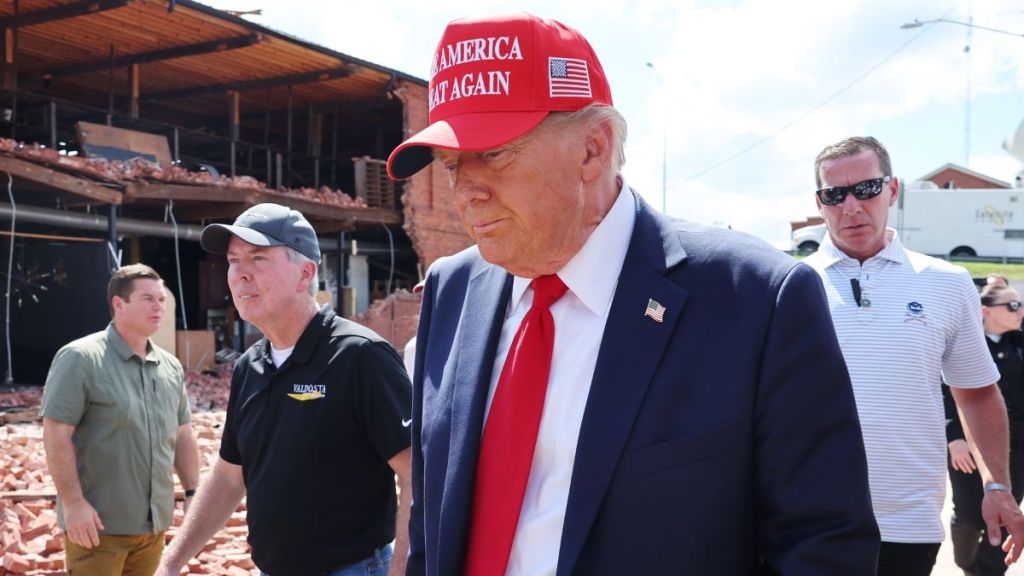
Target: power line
[810, 111]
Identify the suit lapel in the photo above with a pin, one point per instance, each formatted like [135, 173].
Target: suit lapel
[630, 353]
[476, 341]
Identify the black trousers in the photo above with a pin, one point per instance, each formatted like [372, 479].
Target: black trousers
[899, 559]
[971, 550]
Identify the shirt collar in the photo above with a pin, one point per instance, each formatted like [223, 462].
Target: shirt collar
[892, 252]
[307, 342]
[124, 350]
[593, 272]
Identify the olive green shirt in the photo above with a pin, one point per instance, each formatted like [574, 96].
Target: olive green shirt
[126, 412]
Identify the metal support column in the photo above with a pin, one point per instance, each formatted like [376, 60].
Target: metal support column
[175, 136]
[342, 273]
[334, 148]
[233, 121]
[53, 124]
[110, 87]
[113, 251]
[288, 142]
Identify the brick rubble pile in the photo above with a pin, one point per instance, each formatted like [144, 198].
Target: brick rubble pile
[142, 171]
[30, 541]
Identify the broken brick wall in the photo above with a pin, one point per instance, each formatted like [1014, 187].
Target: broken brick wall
[395, 318]
[431, 220]
[432, 223]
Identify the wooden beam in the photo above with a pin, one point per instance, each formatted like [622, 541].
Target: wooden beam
[247, 85]
[185, 51]
[72, 10]
[59, 180]
[10, 72]
[210, 211]
[26, 495]
[327, 227]
[233, 114]
[183, 192]
[357, 108]
[318, 210]
[133, 107]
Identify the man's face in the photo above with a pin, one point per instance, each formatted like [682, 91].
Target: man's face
[857, 227]
[264, 283]
[140, 313]
[524, 203]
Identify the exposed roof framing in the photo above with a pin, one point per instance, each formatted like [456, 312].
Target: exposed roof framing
[177, 67]
[183, 51]
[247, 85]
[63, 12]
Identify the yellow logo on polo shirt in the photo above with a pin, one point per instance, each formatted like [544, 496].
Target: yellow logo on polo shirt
[303, 392]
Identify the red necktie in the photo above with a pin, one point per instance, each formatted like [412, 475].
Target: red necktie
[506, 451]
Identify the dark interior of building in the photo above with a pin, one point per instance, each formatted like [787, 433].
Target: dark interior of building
[228, 98]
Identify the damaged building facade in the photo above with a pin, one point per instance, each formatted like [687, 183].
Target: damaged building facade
[128, 125]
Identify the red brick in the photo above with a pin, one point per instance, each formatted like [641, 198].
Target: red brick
[16, 563]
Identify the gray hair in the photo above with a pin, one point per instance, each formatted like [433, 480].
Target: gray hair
[851, 147]
[593, 115]
[296, 257]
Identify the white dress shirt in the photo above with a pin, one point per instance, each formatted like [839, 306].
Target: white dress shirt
[580, 316]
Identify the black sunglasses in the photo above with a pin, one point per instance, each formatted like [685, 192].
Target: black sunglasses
[1013, 305]
[861, 191]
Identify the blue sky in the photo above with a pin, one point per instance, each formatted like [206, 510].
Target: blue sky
[779, 79]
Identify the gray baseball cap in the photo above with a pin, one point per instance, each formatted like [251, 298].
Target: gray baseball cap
[265, 225]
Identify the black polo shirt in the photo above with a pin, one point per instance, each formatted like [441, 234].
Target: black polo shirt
[314, 437]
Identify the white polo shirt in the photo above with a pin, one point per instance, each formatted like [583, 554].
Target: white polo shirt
[919, 323]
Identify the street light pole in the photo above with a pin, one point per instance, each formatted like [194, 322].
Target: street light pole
[664, 141]
[970, 25]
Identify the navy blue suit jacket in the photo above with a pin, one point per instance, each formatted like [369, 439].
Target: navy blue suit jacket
[723, 441]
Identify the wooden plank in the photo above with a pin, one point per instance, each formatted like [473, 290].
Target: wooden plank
[26, 495]
[210, 211]
[20, 415]
[318, 210]
[59, 180]
[72, 10]
[133, 106]
[373, 184]
[181, 51]
[10, 72]
[120, 144]
[377, 216]
[162, 191]
[331, 227]
[245, 85]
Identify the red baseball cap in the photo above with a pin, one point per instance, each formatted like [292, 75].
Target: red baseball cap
[494, 79]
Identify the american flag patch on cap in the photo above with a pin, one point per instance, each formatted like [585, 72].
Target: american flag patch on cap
[568, 78]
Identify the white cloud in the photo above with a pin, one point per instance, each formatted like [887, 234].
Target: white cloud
[750, 69]
[735, 73]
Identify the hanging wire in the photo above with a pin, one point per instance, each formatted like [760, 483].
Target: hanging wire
[177, 264]
[9, 374]
[800, 118]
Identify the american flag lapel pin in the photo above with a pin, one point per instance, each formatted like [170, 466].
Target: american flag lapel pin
[655, 311]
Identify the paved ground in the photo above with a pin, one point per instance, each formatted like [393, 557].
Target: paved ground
[944, 566]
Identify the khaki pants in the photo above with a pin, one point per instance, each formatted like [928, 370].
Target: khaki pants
[116, 556]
